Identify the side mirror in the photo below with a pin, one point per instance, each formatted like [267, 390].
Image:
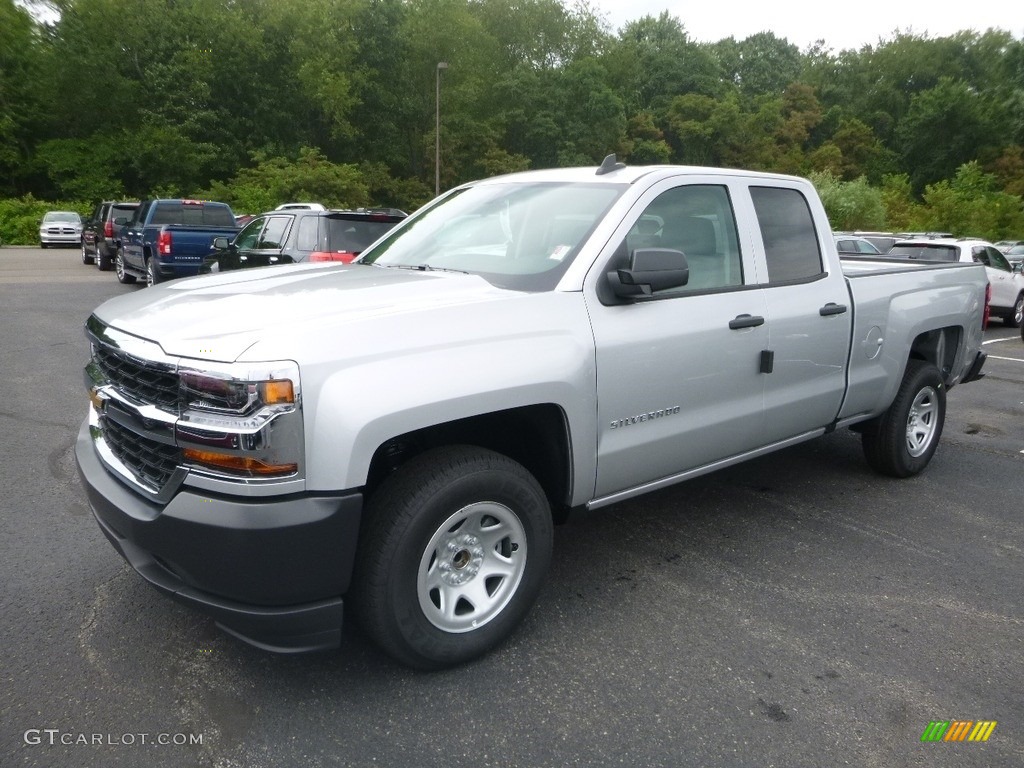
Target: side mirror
[650, 270]
[220, 242]
[121, 221]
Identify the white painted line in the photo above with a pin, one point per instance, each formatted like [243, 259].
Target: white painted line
[1010, 359]
[1004, 338]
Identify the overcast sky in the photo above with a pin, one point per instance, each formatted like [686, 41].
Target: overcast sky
[840, 24]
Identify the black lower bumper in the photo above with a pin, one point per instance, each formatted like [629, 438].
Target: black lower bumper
[269, 570]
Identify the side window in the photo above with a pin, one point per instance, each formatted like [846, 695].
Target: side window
[246, 239]
[787, 229]
[274, 233]
[698, 220]
[140, 215]
[997, 260]
[305, 238]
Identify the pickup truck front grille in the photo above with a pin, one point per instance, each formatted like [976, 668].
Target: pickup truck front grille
[146, 382]
[150, 461]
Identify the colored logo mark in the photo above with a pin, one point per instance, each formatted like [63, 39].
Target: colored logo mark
[959, 730]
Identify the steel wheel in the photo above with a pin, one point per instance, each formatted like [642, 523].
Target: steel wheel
[921, 422]
[453, 550]
[471, 567]
[902, 441]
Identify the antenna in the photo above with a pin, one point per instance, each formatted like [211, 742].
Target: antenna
[610, 164]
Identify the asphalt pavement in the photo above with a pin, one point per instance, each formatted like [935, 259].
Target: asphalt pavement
[796, 610]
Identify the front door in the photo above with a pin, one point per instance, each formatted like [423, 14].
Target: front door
[678, 377]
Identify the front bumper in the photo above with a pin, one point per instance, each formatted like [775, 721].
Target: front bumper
[271, 572]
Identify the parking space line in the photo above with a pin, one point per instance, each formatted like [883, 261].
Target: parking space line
[1010, 359]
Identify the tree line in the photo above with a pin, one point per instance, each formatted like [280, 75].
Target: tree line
[259, 101]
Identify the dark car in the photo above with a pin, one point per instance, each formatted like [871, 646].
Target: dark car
[293, 236]
[100, 238]
[851, 245]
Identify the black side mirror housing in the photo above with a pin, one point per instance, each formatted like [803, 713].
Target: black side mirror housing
[650, 270]
[220, 242]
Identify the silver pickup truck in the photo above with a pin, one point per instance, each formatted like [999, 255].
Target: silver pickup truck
[400, 435]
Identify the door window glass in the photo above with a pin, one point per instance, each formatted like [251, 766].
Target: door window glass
[787, 229]
[246, 239]
[274, 233]
[698, 220]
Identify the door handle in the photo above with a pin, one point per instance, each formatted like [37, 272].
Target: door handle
[745, 321]
[832, 309]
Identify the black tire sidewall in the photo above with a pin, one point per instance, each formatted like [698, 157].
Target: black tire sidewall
[885, 442]
[401, 626]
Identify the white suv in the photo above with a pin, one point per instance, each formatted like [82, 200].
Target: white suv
[1006, 281]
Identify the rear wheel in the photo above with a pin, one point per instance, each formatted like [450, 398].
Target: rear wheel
[86, 258]
[1016, 316]
[102, 259]
[454, 551]
[903, 440]
[152, 273]
[119, 270]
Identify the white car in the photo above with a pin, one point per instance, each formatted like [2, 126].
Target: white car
[1006, 281]
[300, 207]
[60, 228]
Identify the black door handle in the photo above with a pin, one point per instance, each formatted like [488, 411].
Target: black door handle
[832, 309]
[745, 321]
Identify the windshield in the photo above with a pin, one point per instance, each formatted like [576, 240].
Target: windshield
[62, 216]
[520, 236]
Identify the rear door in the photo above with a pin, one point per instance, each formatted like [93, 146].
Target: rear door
[809, 315]
[1005, 284]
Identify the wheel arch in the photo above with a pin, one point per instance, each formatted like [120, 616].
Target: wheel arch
[535, 436]
[940, 347]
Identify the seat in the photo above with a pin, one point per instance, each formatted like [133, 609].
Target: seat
[695, 237]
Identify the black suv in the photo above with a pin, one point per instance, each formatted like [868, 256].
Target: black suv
[100, 235]
[291, 236]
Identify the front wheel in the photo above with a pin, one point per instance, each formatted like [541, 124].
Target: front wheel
[902, 440]
[86, 258]
[453, 554]
[119, 270]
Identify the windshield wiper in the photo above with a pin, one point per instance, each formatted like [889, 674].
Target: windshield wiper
[422, 268]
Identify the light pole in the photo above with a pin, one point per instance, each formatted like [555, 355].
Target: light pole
[437, 129]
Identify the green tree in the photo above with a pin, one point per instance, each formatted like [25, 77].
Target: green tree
[850, 205]
[945, 127]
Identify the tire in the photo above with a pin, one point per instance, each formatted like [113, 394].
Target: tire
[102, 259]
[454, 550]
[122, 275]
[44, 246]
[902, 441]
[86, 258]
[1016, 316]
[152, 273]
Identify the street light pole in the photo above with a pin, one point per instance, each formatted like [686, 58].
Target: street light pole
[437, 129]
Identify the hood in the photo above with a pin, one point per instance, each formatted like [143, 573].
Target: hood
[218, 317]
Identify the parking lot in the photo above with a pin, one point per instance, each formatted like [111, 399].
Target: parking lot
[796, 610]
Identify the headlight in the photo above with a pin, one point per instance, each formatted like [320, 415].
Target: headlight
[241, 420]
[241, 398]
